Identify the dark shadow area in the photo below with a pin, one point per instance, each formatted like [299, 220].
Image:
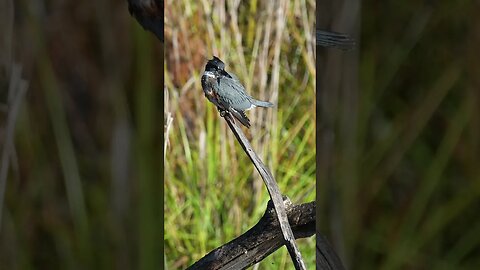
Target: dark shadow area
[398, 134]
[83, 188]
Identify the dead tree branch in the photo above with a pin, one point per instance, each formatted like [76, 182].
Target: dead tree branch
[261, 240]
[273, 190]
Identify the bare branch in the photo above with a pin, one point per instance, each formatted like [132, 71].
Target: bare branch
[273, 190]
[327, 259]
[261, 240]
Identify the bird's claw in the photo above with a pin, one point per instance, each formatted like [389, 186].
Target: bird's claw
[222, 112]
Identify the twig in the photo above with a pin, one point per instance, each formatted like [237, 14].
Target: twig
[273, 190]
[168, 123]
[261, 240]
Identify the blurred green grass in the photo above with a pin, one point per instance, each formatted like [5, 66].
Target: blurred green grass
[84, 191]
[212, 191]
[400, 188]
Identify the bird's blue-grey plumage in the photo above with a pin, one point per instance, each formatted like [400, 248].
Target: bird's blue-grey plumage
[227, 92]
[231, 93]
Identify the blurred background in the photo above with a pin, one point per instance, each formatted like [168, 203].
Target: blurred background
[212, 191]
[398, 134]
[83, 186]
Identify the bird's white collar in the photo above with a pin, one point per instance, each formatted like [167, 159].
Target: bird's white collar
[209, 74]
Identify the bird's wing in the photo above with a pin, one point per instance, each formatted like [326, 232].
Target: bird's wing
[231, 93]
[240, 115]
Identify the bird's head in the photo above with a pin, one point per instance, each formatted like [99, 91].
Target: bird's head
[215, 64]
[215, 67]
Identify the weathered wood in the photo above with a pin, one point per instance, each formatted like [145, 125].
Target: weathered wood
[273, 190]
[261, 240]
[326, 257]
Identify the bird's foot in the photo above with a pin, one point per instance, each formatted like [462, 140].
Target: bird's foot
[222, 112]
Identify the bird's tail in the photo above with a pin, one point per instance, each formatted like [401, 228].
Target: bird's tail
[260, 103]
[331, 39]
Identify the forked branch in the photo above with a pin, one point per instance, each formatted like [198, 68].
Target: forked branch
[261, 240]
[273, 190]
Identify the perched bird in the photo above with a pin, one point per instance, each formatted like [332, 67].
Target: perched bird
[337, 40]
[225, 91]
[149, 13]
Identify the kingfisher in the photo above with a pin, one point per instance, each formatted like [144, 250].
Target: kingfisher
[226, 91]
